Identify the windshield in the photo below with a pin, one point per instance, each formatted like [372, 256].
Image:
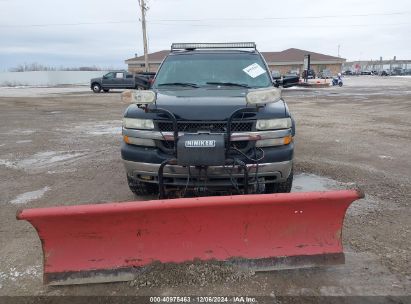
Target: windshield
[199, 70]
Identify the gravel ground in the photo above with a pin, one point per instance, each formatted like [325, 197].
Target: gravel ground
[60, 146]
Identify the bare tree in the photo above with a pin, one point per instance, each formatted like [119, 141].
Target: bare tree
[30, 67]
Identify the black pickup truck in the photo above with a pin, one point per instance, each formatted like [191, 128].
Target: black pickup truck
[121, 80]
[214, 121]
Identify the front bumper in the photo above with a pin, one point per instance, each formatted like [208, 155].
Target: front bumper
[216, 175]
[143, 163]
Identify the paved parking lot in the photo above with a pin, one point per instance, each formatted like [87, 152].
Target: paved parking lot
[60, 146]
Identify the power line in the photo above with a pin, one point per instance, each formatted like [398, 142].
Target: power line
[69, 24]
[282, 26]
[285, 18]
[201, 20]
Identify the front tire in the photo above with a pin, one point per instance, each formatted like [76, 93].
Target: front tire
[140, 188]
[284, 187]
[96, 88]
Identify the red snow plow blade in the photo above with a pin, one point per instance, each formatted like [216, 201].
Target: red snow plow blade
[113, 242]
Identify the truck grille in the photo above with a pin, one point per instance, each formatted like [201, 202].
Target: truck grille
[212, 127]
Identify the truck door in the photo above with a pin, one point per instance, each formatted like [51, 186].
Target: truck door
[119, 80]
[129, 81]
[108, 80]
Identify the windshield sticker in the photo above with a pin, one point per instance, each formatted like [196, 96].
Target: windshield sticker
[254, 70]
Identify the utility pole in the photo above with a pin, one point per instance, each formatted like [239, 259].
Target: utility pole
[338, 51]
[143, 25]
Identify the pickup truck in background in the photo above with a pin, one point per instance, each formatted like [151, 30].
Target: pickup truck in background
[121, 80]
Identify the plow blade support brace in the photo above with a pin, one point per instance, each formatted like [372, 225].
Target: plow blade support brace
[114, 241]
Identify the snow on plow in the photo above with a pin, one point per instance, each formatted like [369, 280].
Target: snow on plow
[114, 241]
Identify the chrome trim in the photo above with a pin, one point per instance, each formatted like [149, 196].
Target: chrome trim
[280, 169]
[235, 136]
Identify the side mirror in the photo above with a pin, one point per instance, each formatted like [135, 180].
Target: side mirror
[104, 77]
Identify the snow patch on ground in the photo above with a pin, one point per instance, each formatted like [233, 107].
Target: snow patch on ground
[20, 132]
[385, 157]
[13, 274]
[43, 160]
[24, 141]
[108, 127]
[30, 91]
[310, 182]
[62, 171]
[7, 164]
[29, 196]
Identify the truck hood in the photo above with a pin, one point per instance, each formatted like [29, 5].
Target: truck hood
[207, 104]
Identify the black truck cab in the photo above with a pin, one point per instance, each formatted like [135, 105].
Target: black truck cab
[213, 121]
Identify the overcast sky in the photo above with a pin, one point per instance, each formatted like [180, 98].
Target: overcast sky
[105, 33]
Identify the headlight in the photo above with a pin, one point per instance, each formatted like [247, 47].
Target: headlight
[136, 123]
[273, 124]
[263, 96]
[138, 96]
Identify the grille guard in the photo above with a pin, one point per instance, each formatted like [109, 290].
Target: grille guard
[174, 159]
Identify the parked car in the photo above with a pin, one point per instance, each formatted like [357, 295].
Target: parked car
[275, 74]
[118, 80]
[348, 72]
[397, 72]
[147, 75]
[310, 74]
[289, 81]
[325, 74]
[383, 73]
[365, 73]
[292, 73]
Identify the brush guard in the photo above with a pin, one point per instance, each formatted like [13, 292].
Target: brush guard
[227, 160]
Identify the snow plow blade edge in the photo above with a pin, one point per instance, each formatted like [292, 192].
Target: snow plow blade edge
[114, 241]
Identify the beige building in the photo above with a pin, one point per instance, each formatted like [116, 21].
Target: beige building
[284, 61]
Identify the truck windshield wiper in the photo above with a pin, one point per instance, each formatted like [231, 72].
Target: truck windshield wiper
[230, 84]
[183, 84]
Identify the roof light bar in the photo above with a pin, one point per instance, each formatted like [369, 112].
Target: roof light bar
[229, 45]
